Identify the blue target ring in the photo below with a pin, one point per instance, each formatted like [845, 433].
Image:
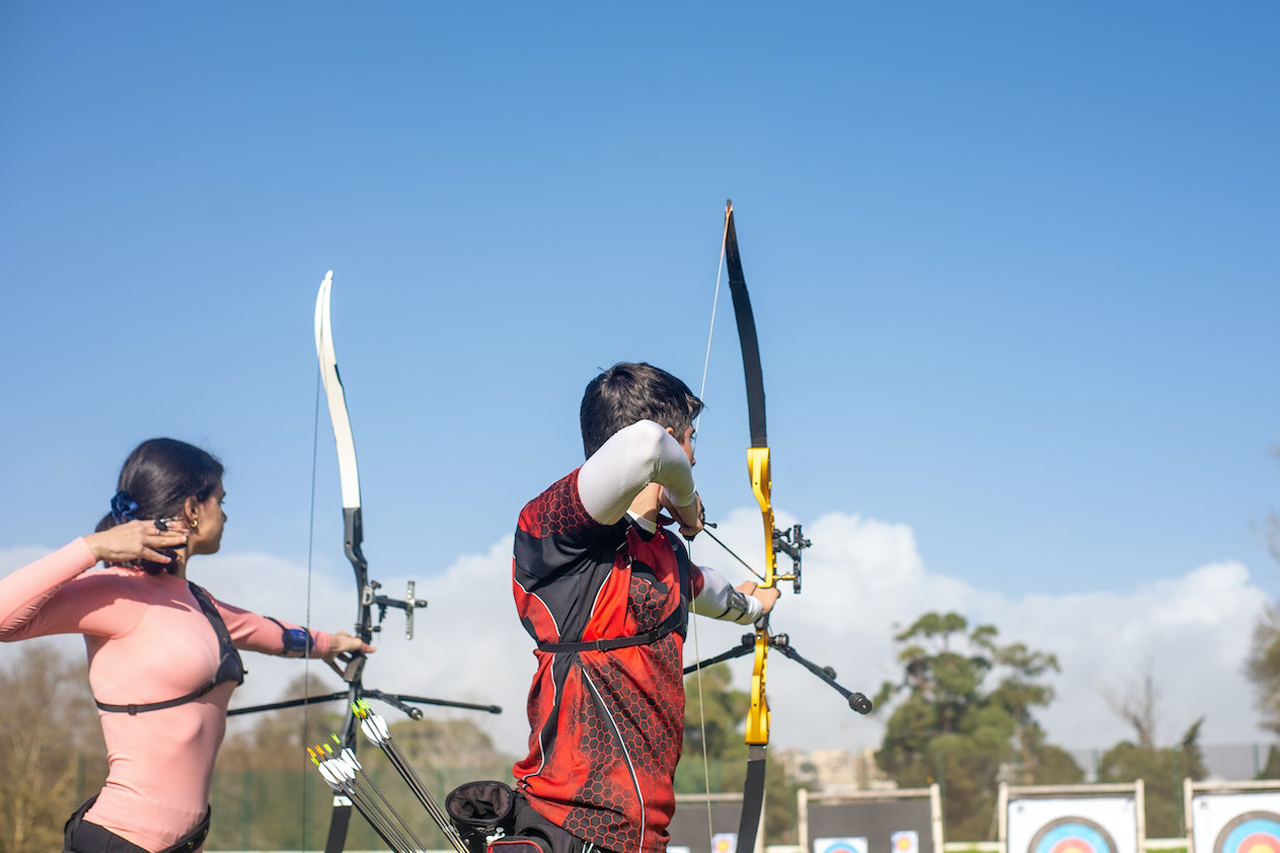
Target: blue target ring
[1251, 832]
[1074, 834]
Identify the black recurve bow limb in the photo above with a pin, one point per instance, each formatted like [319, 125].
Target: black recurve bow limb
[791, 542]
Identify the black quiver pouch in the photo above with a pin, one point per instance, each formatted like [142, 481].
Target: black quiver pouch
[483, 812]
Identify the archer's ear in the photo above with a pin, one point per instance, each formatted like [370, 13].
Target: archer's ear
[189, 508]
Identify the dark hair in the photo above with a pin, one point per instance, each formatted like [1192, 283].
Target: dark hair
[626, 393]
[159, 476]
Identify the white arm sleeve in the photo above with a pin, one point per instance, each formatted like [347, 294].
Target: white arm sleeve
[720, 600]
[631, 459]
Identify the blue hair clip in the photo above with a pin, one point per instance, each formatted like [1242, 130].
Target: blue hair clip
[123, 508]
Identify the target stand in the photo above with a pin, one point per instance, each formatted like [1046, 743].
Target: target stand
[888, 821]
[1072, 818]
[1232, 817]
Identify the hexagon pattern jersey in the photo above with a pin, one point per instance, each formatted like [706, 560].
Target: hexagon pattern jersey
[605, 725]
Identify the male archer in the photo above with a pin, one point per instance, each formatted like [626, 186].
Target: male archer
[605, 590]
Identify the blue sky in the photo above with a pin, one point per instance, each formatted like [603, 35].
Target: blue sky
[1014, 268]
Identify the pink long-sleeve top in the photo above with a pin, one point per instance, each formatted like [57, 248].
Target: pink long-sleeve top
[147, 641]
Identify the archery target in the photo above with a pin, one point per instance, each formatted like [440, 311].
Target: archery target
[1251, 832]
[908, 841]
[1072, 834]
[847, 844]
[1239, 822]
[1073, 825]
[724, 842]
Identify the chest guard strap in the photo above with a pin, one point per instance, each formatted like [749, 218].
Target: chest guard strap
[230, 667]
[674, 622]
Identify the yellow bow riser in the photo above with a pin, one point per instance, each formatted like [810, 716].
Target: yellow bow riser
[761, 484]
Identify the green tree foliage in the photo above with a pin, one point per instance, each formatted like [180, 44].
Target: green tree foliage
[1161, 772]
[1262, 666]
[713, 714]
[52, 743]
[1270, 769]
[719, 711]
[963, 714]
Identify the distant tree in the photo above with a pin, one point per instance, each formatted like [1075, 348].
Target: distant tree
[964, 715]
[713, 716]
[1162, 772]
[1271, 531]
[1262, 666]
[52, 743]
[1137, 707]
[1270, 770]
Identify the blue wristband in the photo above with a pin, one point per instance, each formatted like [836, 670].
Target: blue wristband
[296, 641]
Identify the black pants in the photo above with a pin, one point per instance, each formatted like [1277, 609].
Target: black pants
[81, 836]
[91, 838]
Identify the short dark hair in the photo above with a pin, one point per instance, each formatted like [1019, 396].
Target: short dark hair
[630, 392]
[159, 475]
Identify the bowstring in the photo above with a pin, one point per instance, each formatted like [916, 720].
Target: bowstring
[311, 539]
[697, 648]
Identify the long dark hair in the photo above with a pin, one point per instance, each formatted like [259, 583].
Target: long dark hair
[629, 392]
[156, 481]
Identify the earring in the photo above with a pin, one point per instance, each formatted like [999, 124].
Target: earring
[195, 524]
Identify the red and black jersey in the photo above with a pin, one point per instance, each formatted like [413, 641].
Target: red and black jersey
[606, 722]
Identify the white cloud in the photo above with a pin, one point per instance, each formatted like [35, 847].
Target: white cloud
[864, 580]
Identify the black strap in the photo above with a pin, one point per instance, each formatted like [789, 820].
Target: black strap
[672, 623]
[230, 667]
[156, 706]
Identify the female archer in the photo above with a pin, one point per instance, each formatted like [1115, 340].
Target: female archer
[163, 653]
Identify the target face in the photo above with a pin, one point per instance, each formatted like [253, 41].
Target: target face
[1076, 835]
[1251, 832]
[840, 845]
